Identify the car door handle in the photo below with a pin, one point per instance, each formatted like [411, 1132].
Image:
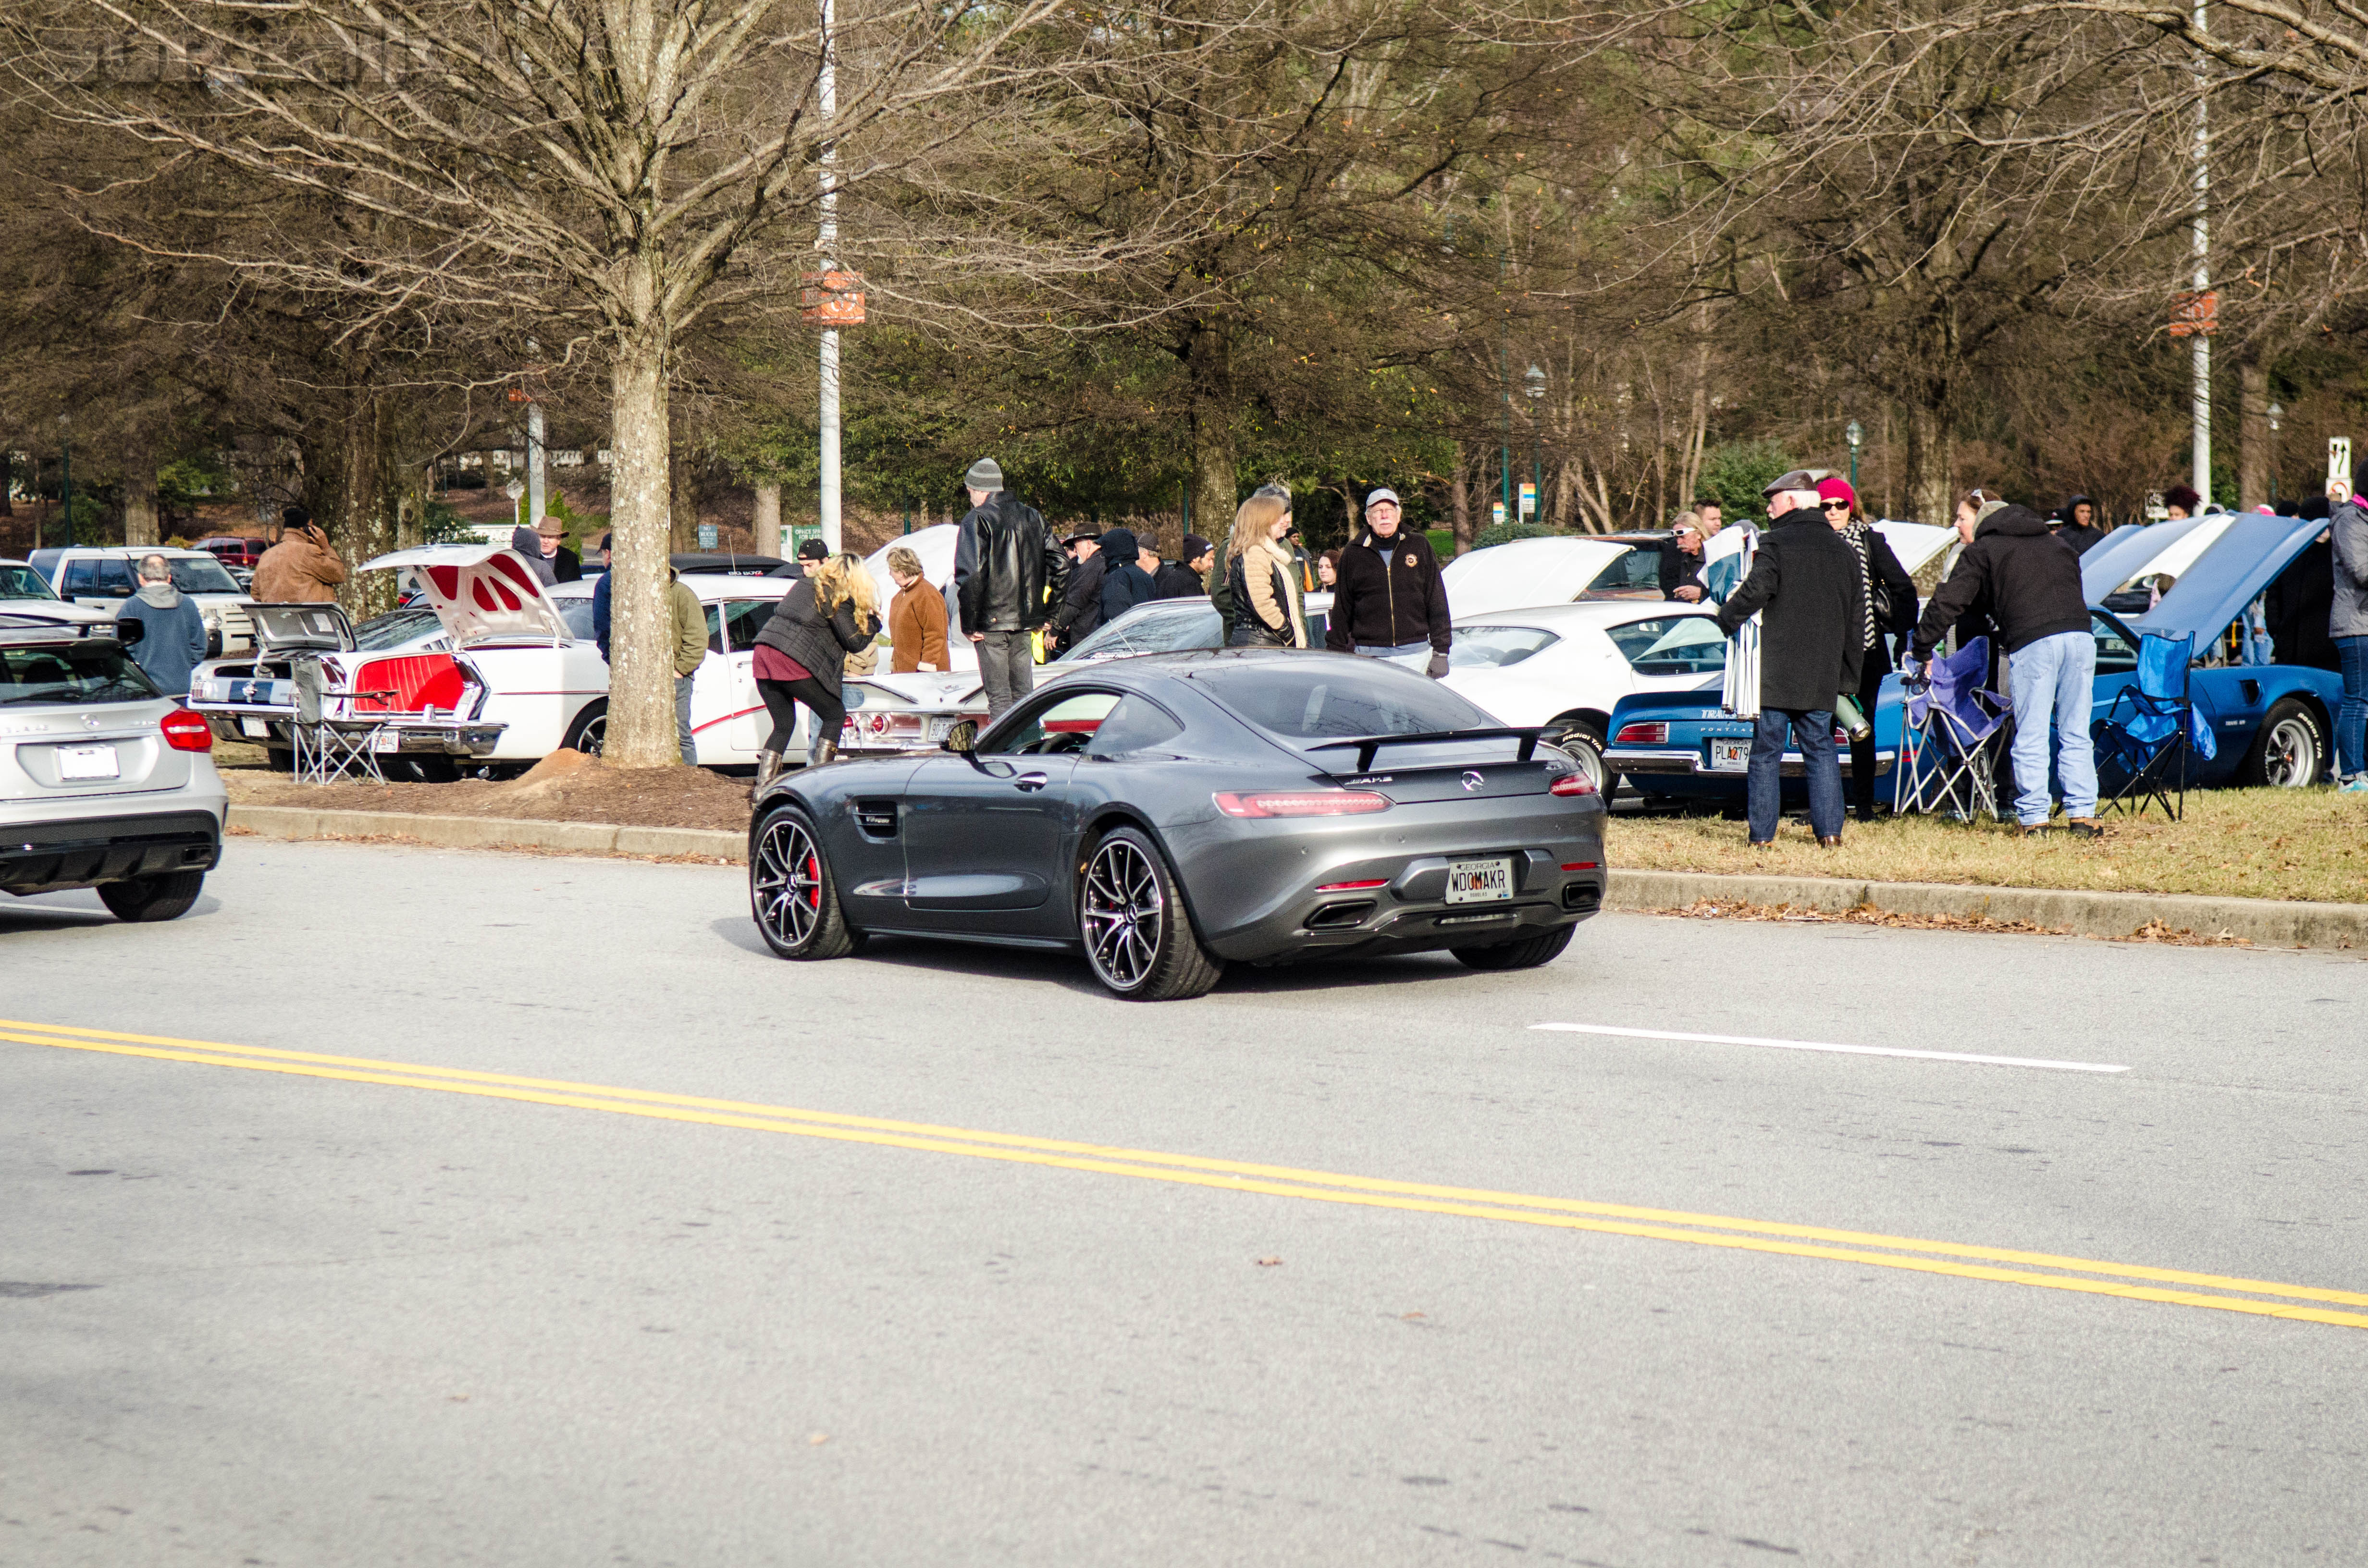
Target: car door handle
[1032, 780]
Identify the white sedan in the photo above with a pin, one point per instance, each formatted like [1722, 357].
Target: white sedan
[1562, 667]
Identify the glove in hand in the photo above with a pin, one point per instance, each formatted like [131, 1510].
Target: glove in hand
[1438, 665]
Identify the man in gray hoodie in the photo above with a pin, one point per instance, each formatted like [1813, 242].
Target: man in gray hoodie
[2347, 623]
[172, 632]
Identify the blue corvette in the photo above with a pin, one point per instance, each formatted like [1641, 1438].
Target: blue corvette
[2272, 722]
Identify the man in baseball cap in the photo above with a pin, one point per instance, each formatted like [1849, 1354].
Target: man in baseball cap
[1389, 602]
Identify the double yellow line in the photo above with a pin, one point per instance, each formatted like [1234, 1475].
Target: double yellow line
[2001, 1265]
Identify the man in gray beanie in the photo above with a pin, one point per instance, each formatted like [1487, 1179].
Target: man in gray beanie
[1009, 573]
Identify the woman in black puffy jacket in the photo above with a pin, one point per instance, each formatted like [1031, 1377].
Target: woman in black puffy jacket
[801, 656]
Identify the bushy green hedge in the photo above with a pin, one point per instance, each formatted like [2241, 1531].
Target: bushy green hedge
[1505, 533]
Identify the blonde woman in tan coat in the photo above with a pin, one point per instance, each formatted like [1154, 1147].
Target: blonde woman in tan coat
[1264, 576]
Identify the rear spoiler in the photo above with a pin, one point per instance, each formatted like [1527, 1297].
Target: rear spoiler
[1367, 745]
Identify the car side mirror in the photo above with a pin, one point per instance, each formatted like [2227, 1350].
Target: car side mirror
[130, 631]
[962, 738]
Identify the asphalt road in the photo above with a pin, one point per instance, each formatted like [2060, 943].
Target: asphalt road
[1275, 1277]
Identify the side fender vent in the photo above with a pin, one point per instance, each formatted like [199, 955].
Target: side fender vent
[876, 818]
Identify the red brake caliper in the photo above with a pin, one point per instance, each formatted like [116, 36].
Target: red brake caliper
[813, 873]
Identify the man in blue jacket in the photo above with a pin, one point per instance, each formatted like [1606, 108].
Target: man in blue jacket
[173, 632]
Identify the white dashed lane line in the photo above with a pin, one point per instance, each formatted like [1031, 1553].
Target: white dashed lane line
[2041, 1062]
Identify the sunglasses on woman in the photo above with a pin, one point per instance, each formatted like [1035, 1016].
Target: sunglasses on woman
[1835, 505]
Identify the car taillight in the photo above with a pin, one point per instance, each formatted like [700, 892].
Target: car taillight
[1652, 734]
[185, 730]
[1571, 784]
[1355, 887]
[1303, 803]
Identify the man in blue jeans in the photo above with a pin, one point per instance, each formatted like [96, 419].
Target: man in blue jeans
[1806, 588]
[2347, 623]
[2031, 582]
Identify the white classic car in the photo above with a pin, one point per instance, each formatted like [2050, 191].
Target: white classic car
[524, 657]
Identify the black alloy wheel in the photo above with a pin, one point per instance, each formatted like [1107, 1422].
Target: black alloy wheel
[1138, 935]
[792, 892]
[1529, 952]
[2289, 752]
[166, 896]
[589, 732]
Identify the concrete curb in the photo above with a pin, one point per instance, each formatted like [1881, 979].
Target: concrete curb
[490, 832]
[2269, 923]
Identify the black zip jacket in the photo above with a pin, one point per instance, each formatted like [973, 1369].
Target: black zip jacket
[1389, 595]
[2028, 577]
[1008, 570]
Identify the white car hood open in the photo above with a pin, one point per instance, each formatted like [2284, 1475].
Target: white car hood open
[481, 593]
[1915, 543]
[1526, 572]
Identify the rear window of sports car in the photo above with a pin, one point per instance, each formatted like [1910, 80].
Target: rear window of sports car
[1332, 700]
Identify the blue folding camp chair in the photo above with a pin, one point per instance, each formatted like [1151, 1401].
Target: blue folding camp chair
[2151, 730]
[1949, 728]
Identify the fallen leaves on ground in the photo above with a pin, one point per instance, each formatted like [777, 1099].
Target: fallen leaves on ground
[1868, 915]
[566, 785]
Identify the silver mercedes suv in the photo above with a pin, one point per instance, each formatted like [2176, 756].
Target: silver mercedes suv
[105, 783]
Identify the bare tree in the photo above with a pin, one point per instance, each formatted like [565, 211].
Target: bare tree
[606, 174]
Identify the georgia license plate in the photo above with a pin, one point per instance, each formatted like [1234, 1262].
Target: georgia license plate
[1479, 882]
[1730, 756]
[939, 729]
[87, 762]
[254, 729]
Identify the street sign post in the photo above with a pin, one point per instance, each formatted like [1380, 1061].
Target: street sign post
[1528, 500]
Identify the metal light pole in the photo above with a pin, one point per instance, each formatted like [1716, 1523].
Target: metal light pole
[1854, 436]
[2200, 245]
[1534, 384]
[66, 473]
[827, 243]
[2276, 412]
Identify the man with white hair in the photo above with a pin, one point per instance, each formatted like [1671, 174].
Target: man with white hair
[172, 631]
[1805, 585]
[1389, 602]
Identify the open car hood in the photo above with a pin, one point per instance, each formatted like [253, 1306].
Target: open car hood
[1915, 543]
[2243, 561]
[2128, 553]
[481, 593]
[1525, 573]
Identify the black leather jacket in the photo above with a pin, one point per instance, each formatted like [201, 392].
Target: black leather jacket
[1008, 571]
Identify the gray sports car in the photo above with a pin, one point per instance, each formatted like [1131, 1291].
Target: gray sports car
[1173, 812]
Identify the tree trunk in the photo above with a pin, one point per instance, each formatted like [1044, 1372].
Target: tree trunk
[1462, 484]
[8, 481]
[1209, 358]
[140, 524]
[641, 637]
[1931, 486]
[682, 470]
[2252, 433]
[369, 502]
[769, 520]
[1698, 426]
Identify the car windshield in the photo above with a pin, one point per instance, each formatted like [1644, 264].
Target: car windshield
[1330, 698]
[1494, 647]
[394, 629]
[1671, 645]
[1176, 629]
[71, 671]
[577, 614]
[201, 574]
[22, 582]
[2114, 655]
